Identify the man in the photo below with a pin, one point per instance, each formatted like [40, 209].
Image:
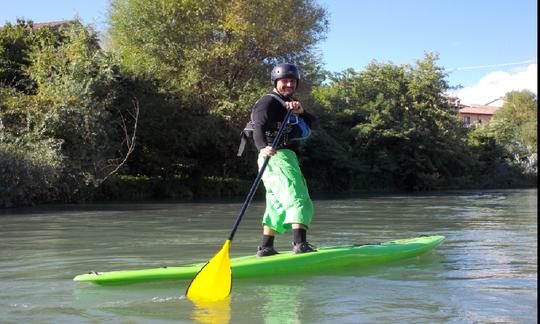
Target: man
[288, 205]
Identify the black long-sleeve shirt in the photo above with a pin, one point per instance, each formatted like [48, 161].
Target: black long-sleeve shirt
[267, 115]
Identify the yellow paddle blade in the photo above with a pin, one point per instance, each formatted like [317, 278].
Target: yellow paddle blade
[213, 282]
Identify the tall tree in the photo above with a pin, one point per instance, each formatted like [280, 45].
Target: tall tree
[517, 120]
[75, 120]
[16, 43]
[216, 53]
[513, 132]
[400, 129]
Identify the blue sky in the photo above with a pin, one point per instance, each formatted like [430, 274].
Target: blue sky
[488, 46]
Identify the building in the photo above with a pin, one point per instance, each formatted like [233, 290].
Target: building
[475, 115]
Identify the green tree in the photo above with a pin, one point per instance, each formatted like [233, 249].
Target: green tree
[30, 165]
[398, 125]
[517, 120]
[16, 41]
[215, 54]
[78, 87]
[509, 141]
[73, 121]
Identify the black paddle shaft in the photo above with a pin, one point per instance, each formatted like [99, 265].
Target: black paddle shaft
[259, 176]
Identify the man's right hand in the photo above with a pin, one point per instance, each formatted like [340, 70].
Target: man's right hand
[268, 151]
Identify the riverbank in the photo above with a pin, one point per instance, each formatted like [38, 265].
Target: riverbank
[129, 188]
[124, 189]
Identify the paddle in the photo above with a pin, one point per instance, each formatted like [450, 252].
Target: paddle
[214, 280]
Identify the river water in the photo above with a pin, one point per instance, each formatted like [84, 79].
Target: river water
[485, 271]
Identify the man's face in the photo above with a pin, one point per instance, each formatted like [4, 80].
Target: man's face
[286, 87]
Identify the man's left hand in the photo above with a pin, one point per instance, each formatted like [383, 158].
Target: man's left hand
[295, 106]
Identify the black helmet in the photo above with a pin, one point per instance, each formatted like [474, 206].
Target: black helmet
[285, 70]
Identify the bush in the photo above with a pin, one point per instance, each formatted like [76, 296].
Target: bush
[139, 188]
[29, 176]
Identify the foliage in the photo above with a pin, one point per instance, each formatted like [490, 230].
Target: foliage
[77, 88]
[15, 43]
[125, 188]
[506, 147]
[29, 172]
[175, 140]
[30, 164]
[216, 54]
[517, 120]
[397, 125]
[72, 113]
[193, 70]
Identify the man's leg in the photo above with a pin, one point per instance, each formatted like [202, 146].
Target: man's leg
[267, 243]
[300, 244]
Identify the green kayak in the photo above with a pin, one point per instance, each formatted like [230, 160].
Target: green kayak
[325, 259]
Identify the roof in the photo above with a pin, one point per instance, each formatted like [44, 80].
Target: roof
[479, 110]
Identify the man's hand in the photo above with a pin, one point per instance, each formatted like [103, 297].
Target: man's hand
[295, 106]
[268, 151]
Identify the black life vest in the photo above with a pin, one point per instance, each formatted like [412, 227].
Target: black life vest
[248, 130]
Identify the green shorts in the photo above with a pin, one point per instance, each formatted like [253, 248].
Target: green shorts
[287, 196]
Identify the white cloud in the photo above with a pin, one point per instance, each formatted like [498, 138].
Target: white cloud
[497, 84]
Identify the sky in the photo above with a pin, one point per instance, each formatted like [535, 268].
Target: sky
[488, 47]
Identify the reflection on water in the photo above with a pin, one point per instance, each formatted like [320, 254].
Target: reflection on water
[212, 312]
[485, 271]
[279, 303]
[283, 304]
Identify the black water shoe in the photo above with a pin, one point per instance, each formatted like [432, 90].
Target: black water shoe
[263, 251]
[303, 247]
